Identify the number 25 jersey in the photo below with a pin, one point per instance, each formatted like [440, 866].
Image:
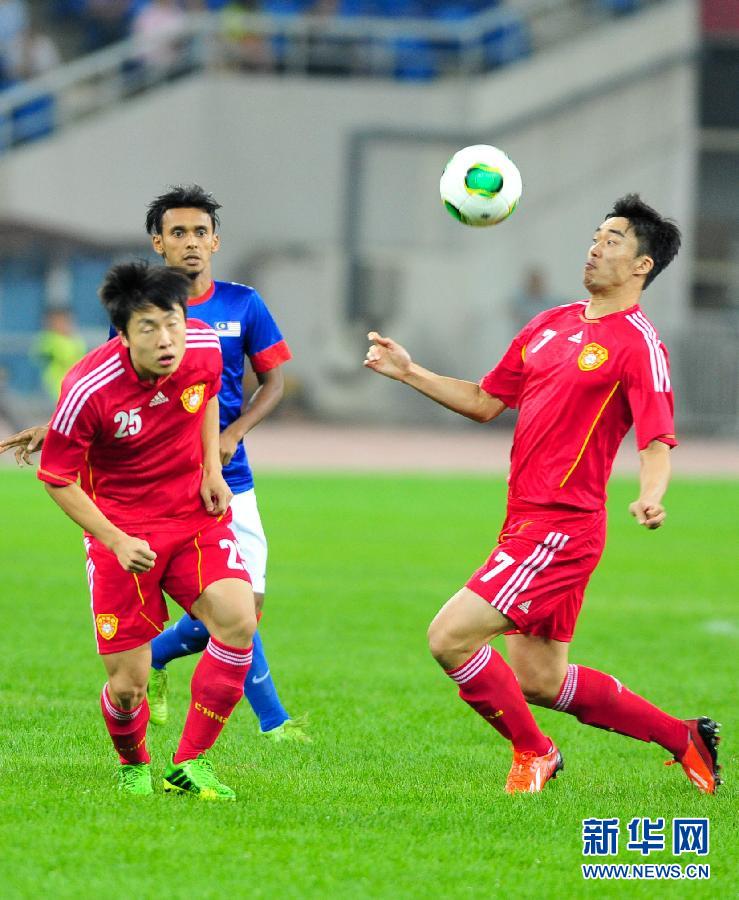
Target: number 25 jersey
[136, 446]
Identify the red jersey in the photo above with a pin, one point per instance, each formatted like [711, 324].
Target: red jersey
[579, 385]
[135, 445]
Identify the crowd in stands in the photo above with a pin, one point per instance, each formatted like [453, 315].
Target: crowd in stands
[25, 50]
[76, 27]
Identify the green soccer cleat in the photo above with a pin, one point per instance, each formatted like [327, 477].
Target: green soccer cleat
[291, 731]
[157, 694]
[196, 777]
[135, 778]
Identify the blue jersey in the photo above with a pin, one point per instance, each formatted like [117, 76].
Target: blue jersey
[245, 327]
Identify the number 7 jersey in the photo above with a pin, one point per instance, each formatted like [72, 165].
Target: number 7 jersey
[136, 446]
[579, 385]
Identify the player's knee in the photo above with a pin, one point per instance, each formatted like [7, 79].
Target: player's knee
[539, 688]
[435, 638]
[126, 693]
[443, 645]
[239, 630]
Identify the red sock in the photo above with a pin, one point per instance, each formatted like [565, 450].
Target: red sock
[127, 729]
[217, 686]
[602, 701]
[488, 684]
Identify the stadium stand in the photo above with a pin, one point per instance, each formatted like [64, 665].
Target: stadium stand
[406, 41]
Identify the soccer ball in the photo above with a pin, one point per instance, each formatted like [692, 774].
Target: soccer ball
[480, 186]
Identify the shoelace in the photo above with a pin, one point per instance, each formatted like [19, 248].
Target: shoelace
[204, 767]
[130, 775]
[520, 772]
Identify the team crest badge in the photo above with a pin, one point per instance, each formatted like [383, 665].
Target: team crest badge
[192, 397]
[592, 357]
[107, 625]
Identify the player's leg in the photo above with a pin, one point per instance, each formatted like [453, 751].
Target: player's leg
[601, 700]
[540, 664]
[208, 578]
[539, 556]
[128, 610]
[126, 714]
[185, 637]
[227, 609]
[259, 688]
[458, 639]
[189, 635]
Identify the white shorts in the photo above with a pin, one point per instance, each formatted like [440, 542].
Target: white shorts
[247, 526]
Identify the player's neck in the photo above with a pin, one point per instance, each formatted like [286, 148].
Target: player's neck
[603, 304]
[200, 284]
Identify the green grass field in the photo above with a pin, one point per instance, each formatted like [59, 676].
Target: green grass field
[400, 794]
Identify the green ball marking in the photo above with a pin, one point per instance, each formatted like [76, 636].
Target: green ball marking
[453, 211]
[483, 180]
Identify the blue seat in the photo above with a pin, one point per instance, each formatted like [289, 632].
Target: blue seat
[448, 52]
[86, 274]
[35, 119]
[23, 291]
[283, 9]
[22, 372]
[508, 41]
[414, 59]
[620, 7]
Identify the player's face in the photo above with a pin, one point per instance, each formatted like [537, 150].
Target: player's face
[156, 340]
[187, 240]
[613, 260]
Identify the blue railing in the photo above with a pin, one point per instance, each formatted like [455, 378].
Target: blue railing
[452, 44]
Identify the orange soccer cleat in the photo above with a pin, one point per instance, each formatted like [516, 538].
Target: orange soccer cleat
[700, 759]
[529, 772]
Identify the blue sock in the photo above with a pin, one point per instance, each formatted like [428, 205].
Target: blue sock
[260, 691]
[185, 637]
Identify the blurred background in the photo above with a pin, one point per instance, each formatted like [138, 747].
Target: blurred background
[322, 127]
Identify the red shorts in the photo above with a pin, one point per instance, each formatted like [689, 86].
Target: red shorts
[129, 609]
[537, 573]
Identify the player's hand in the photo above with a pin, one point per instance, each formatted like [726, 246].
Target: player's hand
[228, 445]
[651, 515]
[134, 554]
[25, 442]
[215, 492]
[387, 357]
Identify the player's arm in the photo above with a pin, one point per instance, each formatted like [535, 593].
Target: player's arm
[389, 358]
[25, 443]
[215, 492]
[654, 476]
[132, 553]
[262, 402]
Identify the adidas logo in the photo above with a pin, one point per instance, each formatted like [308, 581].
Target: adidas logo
[576, 338]
[158, 398]
[524, 607]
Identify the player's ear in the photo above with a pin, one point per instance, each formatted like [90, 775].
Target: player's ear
[215, 246]
[644, 265]
[156, 243]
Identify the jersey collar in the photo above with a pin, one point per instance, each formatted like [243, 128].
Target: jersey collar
[206, 295]
[620, 312]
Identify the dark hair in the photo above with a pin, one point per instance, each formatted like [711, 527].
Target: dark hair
[181, 196]
[129, 287]
[656, 236]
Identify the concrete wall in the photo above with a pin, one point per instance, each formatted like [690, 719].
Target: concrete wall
[608, 113]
